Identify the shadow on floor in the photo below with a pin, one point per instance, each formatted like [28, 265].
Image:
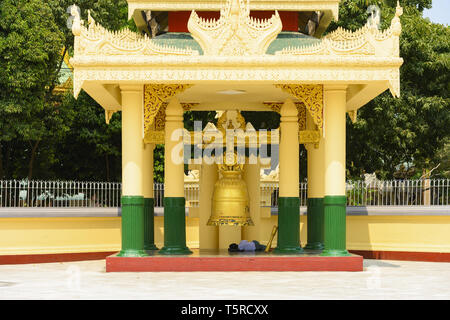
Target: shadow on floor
[379, 263]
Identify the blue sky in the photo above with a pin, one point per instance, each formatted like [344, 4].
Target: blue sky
[440, 12]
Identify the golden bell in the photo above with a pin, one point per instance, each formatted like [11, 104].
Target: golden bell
[230, 205]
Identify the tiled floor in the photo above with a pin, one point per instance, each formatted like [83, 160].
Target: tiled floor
[88, 280]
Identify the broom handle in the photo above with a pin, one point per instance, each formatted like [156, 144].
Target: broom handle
[274, 231]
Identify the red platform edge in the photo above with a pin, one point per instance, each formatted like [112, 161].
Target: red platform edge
[235, 263]
[404, 255]
[83, 256]
[53, 257]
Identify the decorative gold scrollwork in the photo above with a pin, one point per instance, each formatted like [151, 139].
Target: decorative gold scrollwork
[155, 95]
[311, 96]
[309, 137]
[353, 114]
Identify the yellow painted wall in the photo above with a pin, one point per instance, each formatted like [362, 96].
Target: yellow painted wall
[399, 233]
[69, 235]
[58, 235]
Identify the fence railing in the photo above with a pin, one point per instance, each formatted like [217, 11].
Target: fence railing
[398, 192]
[270, 195]
[23, 193]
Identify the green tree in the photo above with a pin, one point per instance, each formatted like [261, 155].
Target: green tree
[30, 44]
[92, 149]
[34, 120]
[408, 131]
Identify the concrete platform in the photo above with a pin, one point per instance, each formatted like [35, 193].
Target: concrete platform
[87, 280]
[213, 260]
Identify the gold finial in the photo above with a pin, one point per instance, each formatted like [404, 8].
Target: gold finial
[398, 10]
[90, 19]
[396, 25]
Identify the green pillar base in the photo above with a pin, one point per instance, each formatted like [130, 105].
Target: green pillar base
[285, 250]
[132, 253]
[175, 251]
[132, 227]
[314, 246]
[335, 253]
[174, 227]
[149, 225]
[288, 226]
[314, 224]
[151, 248]
[335, 226]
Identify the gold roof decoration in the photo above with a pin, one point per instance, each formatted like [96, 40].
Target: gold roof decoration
[368, 40]
[94, 40]
[328, 7]
[235, 33]
[234, 48]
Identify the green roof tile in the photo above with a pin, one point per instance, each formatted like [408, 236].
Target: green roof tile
[284, 40]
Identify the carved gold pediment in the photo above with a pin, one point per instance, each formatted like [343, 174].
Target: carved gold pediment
[235, 33]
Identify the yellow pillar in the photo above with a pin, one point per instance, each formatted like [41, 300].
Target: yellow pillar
[132, 171]
[316, 158]
[252, 179]
[334, 130]
[209, 235]
[289, 151]
[147, 191]
[147, 170]
[173, 152]
[335, 200]
[316, 182]
[174, 201]
[132, 144]
[288, 201]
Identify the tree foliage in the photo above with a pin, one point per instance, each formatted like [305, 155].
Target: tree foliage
[42, 134]
[30, 44]
[408, 132]
[49, 136]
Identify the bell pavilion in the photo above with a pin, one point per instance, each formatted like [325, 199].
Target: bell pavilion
[233, 56]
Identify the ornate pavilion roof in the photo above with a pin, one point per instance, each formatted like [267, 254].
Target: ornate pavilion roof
[329, 9]
[237, 52]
